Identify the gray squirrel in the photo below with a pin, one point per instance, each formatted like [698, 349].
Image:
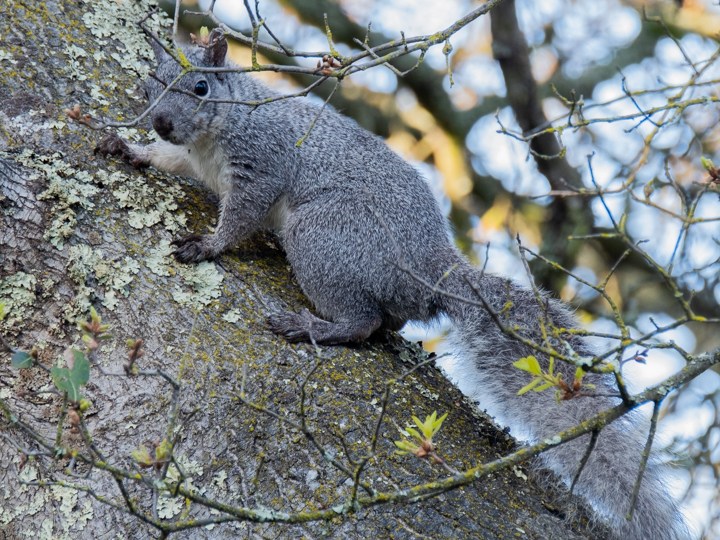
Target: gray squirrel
[360, 226]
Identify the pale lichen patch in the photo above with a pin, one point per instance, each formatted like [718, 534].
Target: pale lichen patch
[97, 95]
[46, 530]
[114, 275]
[219, 481]
[189, 466]
[67, 497]
[104, 22]
[67, 188]
[129, 134]
[232, 316]
[204, 279]
[84, 515]
[18, 290]
[40, 498]
[6, 56]
[159, 261]
[116, 278]
[27, 474]
[168, 507]
[149, 205]
[82, 261]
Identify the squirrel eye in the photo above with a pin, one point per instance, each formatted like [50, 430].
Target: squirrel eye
[201, 88]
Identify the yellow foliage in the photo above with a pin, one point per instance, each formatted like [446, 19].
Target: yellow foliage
[584, 317]
[693, 18]
[497, 216]
[402, 143]
[418, 118]
[447, 153]
[450, 162]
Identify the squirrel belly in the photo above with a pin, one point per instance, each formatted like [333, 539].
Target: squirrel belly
[362, 231]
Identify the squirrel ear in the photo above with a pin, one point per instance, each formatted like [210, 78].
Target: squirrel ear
[160, 54]
[217, 48]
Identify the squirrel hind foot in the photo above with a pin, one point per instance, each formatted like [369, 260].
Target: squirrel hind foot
[305, 326]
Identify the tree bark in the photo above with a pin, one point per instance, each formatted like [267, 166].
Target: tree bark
[79, 230]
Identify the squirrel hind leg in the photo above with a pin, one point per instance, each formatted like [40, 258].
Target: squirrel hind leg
[305, 326]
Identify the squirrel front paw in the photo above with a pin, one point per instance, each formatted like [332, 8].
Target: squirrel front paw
[112, 144]
[192, 248]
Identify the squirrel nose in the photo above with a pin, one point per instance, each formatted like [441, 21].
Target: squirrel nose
[162, 125]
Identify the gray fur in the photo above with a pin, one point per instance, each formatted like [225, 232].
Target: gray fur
[324, 199]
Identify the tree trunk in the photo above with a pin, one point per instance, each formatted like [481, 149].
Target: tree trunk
[79, 230]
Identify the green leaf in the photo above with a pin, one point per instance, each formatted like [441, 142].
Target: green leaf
[530, 364]
[81, 369]
[406, 446]
[437, 424]
[530, 386]
[708, 164]
[63, 381]
[142, 457]
[2, 311]
[21, 360]
[415, 435]
[430, 426]
[552, 364]
[543, 387]
[424, 427]
[70, 380]
[162, 452]
[579, 374]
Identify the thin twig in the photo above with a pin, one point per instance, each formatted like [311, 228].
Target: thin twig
[586, 456]
[317, 116]
[645, 456]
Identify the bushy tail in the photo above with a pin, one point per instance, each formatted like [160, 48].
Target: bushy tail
[487, 374]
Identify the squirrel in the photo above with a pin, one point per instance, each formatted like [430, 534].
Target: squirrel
[364, 236]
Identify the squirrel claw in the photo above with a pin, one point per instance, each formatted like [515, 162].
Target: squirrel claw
[112, 144]
[191, 249]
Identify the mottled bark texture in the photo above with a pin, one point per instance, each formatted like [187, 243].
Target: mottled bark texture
[79, 230]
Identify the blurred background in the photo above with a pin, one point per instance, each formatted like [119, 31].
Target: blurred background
[639, 78]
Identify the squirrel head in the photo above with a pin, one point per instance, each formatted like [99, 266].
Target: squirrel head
[180, 117]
